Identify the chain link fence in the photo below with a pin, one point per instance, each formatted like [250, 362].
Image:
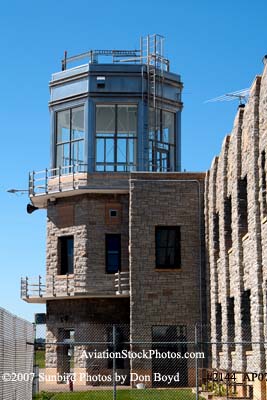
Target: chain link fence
[100, 361]
[16, 357]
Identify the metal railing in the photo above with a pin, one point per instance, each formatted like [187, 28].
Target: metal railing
[122, 283]
[36, 287]
[55, 179]
[32, 287]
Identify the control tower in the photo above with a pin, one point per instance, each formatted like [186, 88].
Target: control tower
[124, 225]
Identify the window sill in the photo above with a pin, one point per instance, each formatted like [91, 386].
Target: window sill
[65, 276]
[168, 269]
[245, 237]
[264, 220]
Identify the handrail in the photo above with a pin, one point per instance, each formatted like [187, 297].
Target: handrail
[122, 282]
[55, 286]
[32, 287]
[51, 180]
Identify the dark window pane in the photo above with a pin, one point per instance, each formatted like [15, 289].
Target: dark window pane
[66, 255]
[113, 253]
[167, 247]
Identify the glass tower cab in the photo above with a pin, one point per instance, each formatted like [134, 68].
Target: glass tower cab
[119, 116]
[113, 111]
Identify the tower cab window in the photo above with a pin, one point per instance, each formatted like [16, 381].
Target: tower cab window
[116, 137]
[70, 139]
[162, 145]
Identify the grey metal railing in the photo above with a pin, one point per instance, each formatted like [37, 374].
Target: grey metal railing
[55, 179]
[122, 283]
[32, 287]
[37, 287]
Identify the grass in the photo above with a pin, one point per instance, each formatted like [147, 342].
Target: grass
[134, 394]
[40, 358]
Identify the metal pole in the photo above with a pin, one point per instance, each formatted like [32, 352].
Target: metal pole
[114, 363]
[196, 364]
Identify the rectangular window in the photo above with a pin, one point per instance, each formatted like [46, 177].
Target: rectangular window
[218, 318]
[228, 222]
[216, 235]
[70, 139]
[115, 343]
[113, 253]
[161, 140]
[116, 136]
[66, 255]
[246, 319]
[168, 247]
[231, 321]
[243, 205]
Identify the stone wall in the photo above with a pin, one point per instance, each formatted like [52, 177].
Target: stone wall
[86, 218]
[165, 297]
[237, 257]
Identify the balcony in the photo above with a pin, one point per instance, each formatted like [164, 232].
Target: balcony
[37, 290]
[73, 179]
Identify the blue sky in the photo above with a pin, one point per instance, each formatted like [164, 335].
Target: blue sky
[217, 47]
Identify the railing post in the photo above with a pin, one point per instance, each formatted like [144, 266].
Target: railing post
[40, 286]
[68, 284]
[59, 175]
[46, 181]
[119, 282]
[26, 287]
[33, 175]
[73, 176]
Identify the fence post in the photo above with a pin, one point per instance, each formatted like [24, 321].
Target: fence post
[196, 363]
[114, 362]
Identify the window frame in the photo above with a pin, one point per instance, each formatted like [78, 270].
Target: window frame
[70, 142]
[177, 256]
[128, 166]
[107, 236]
[66, 270]
[159, 146]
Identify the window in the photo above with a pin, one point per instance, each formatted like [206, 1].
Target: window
[113, 213]
[116, 136]
[218, 318]
[66, 255]
[246, 319]
[113, 253]
[115, 344]
[228, 222]
[168, 247]
[161, 140]
[70, 138]
[216, 235]
[243, 205]
[231, 321]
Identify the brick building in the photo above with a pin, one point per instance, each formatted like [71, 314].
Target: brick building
[125, 228]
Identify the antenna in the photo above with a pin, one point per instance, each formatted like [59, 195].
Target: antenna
[241, 95]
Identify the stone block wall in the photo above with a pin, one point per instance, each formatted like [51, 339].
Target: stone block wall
[85, 217]
[165, 297]
[240, 267]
